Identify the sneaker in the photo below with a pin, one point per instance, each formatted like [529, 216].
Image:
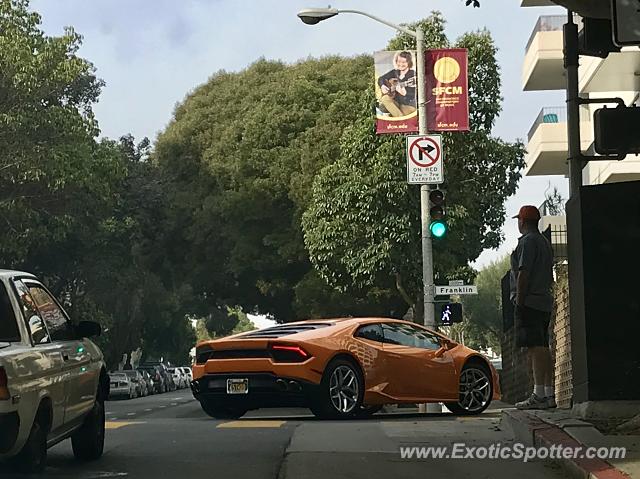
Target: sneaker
[533, 402]
[551, 402]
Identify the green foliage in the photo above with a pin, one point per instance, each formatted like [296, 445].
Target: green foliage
[483, 312]
[239, 160]
[362, 227]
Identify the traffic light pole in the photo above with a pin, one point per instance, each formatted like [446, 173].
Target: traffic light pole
[427, 241]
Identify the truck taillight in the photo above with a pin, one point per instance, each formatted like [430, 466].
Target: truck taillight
[4, 385]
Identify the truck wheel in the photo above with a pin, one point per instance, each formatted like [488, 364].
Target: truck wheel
[33, 456]
[88, 441]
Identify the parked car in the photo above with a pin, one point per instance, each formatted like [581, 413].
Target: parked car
[169, 384]
[159, 383]
[149, 383]
[138, 380]
[179, 377]
[121, 386]
[53, 379]
[188, 374]
[341, 368]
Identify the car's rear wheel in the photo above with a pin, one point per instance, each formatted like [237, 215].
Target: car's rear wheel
[222, 411]
[88, 441]
[33, 456]
[476, 391]
[341, 391]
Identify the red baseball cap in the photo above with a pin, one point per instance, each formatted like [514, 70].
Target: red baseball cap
[528, 212]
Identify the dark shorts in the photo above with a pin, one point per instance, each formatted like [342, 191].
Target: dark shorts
[532, 327]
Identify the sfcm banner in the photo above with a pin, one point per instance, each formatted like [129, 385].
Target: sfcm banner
[447, 90]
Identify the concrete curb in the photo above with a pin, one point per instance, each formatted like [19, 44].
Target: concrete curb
[531, 430]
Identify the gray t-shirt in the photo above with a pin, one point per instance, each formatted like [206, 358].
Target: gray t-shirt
[535, 256]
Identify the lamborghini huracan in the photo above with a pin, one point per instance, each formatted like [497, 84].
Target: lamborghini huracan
[340, 368]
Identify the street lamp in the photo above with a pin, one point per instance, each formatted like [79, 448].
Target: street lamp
[312, 16]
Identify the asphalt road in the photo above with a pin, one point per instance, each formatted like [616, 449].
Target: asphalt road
[168, 436]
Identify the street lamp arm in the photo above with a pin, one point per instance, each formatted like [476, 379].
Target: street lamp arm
[380, 20]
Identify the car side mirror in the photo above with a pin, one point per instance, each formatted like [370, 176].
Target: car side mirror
[88, 329]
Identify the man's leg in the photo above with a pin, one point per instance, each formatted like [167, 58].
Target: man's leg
[391, 106]
[531, 336]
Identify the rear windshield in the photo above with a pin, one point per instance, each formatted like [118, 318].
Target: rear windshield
[8, 327]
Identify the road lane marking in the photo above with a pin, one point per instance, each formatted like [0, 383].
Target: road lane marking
[250, 424]
[119, 424]
[148, 410]
[131, 414]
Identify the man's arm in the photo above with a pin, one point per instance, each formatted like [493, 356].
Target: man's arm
[521, 286]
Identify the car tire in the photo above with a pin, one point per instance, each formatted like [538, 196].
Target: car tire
[221, 411]
[32, 459]
[88, 441]
[476, 391]
[345, 375]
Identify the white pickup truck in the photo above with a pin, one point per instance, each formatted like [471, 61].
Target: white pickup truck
[53, 380]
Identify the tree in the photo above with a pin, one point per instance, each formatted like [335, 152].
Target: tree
[52, 172]
[238, 161]
[483, 312]
[362, 227]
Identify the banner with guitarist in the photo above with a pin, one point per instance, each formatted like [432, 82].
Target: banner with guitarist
[396, 92]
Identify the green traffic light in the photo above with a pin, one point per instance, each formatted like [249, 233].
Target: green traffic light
[438, 229]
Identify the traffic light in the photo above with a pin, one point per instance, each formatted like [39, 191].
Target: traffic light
[438, 225]
[450, 313]
[616, 130]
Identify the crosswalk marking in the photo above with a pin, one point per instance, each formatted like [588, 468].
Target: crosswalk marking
[251, 424]
[119, 424]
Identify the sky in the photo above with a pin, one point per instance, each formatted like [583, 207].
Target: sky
[152, 53]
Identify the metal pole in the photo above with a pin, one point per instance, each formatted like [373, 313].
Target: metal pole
[571, 64]
[574, 216]
[427, 243]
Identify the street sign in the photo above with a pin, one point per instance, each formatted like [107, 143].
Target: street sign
[446, 290]
[626, 22]
[456, 282]
[424, 160]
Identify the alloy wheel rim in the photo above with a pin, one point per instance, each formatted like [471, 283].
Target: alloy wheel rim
[475, 389]
[344, 389]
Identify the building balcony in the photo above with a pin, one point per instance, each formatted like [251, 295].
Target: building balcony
[543, 67]
[547, 147]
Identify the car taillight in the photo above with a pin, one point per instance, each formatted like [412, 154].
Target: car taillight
[282, 353]
[4, 385]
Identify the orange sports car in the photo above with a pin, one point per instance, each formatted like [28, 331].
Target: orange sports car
[340, 368]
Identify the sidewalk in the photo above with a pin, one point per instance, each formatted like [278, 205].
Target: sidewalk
[551, 427]
[371, 449]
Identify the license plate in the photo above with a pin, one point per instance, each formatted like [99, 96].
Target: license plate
[237, 386]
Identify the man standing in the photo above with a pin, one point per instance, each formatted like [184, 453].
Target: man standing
[531, 287]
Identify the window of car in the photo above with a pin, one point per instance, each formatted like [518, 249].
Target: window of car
[372, 332]
[411, 336]
[35, 324]
[9, 331]
[53, 316]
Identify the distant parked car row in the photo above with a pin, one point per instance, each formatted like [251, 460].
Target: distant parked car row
[149, 378]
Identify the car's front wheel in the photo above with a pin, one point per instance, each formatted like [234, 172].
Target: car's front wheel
[88, 441]
[341, 391]
[222, 411]
[476, 391]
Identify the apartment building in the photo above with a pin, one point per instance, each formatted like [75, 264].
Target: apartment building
[618, 75]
